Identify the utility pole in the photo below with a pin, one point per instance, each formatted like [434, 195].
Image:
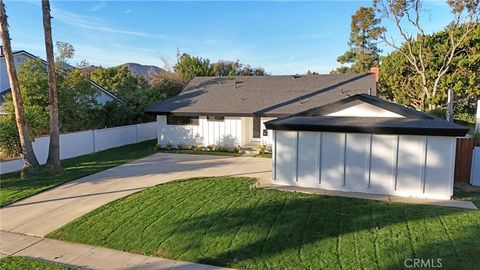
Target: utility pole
[450, 106]
[477, 123]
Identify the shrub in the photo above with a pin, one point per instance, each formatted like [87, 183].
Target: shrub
[180, 146]
[169, 146]
[262, 148]
[9, 141]
[236, 149]
[211, 147]
[200, 147]
[37, 119]
[191, 147]
[223, 148]
[158, 147]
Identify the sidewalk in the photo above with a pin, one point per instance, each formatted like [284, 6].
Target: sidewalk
[13, 244]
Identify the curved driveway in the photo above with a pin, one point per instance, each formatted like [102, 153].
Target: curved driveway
[49, 210]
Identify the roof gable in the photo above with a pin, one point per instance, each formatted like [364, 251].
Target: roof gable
[369, 103]
[365, 109]
[392, 119]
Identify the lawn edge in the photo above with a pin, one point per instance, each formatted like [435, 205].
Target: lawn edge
[54, 186]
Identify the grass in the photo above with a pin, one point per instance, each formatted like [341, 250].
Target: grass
[222, 221]
[464, 191]
[20, 263]
[14, 188]
[201, 152]
[264, 155]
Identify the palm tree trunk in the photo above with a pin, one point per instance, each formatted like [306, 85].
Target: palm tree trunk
[53, 160]
[22, 125]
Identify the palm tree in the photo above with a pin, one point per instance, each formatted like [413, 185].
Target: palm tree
[22, 125]
[53, 160]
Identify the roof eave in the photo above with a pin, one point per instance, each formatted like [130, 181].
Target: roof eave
[446, 132]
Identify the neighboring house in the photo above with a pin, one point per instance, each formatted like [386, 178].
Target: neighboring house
[19, 57]
[365, 144]
[233, 110]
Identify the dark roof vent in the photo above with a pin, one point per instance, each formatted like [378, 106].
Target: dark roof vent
[303, 101]
[238, 83]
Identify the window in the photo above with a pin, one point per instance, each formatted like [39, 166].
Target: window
[216, 118]
[182, 120]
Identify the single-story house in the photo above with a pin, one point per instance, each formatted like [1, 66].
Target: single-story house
[368, 145]
[233, 110]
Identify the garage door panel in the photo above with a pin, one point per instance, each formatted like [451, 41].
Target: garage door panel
[285, 157]
[332, 160]
[439, 171]
[356, 161]
[411, 156]
[308, 159]
[382, 164]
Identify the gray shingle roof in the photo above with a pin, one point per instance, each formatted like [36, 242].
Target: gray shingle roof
[263, 95]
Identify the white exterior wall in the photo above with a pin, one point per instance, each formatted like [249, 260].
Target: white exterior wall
[365, 110]
[231, 131]
[86, 142]
[267, 140]
[403, 165]
[227, 132]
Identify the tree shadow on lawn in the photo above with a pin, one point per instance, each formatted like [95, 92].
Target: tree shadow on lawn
[309, 232]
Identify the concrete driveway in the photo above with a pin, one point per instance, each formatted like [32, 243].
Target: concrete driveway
[49, 210]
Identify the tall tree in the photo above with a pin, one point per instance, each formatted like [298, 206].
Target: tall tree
[407, 14]
[188, 67]
[22, 125]
[400, 82]
[363, 53]
[53, 160]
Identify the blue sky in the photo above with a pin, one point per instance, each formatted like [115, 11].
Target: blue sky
[283, 37]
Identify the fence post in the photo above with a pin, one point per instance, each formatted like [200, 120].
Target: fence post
[93, 140]
[136, 133]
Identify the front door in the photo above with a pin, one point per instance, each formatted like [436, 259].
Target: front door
[256, 127]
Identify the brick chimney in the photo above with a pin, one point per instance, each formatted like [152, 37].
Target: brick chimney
[376, 71]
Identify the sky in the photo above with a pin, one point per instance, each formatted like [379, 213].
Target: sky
[281, 36]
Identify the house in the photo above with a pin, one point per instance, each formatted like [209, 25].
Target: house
[233, 110]
[368, 145]
[103, 95]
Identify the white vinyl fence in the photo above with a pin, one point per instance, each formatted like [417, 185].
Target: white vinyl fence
[86, 142]
[475, 175]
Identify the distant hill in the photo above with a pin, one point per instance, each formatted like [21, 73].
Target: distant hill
[145, 71]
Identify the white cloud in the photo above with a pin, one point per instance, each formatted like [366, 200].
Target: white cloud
[98, 25]
[98, 6]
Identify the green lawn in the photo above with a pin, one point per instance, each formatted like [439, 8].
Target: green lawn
[23, 263]
[200, 152]
[265, 155]
[14, 188]
[222, 221]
